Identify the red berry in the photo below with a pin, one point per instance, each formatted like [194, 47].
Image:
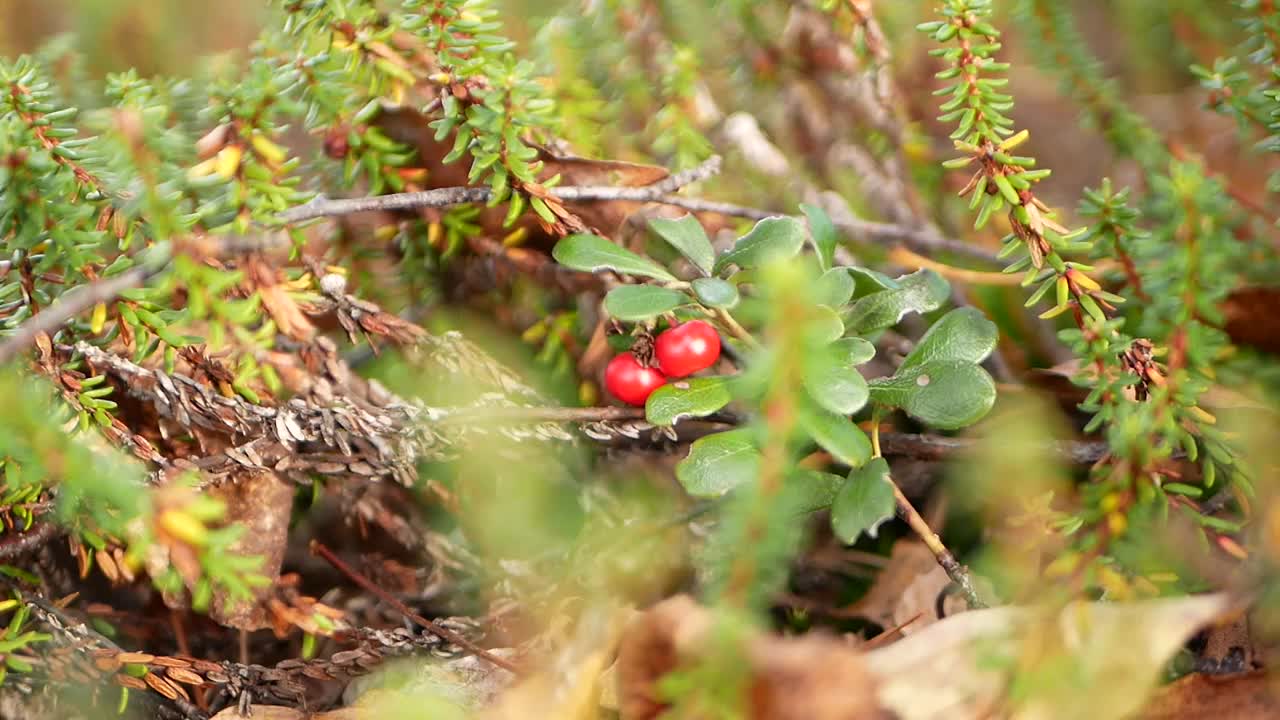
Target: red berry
[687, 348]
[629, 381]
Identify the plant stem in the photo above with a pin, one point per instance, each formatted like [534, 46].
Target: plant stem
[957, 572]
[736, 329]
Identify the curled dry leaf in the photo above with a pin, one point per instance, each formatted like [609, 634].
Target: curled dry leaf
[909, 592]
[275, 299]
[814, 677]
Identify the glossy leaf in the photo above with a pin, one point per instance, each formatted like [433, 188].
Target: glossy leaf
[716, 293]
[874, 278]
[837, 435]
[719, 463]
[919, 292]
[810, 490]
[633, 303]
[773, 238]
[825, 327]
[688, 397]
[962, 335]
[834, 288]
[687, 236]
[945, 394]
[823, 235]
[591, 253]
[830, 378]
[863, 503]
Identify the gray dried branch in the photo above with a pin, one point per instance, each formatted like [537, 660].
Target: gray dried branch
[73, 303]
[446, 197]
[81, 299]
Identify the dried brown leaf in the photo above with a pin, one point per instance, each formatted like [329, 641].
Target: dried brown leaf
[262, 502]
[910, 586]
[814, 677]
[1251, 318]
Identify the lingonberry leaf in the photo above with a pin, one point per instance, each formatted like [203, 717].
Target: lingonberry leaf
[825, 326]
[810, 490]
[634, 303]
[831, 379]
[863, 503]
[719, 463]
[687, 397]
[822, 233]
[946, 394]
[591, 253]
[834, 287]
[837, 435]
[773, 238]
[874, 278]
[919, 292]
[962, 335]
[716, 293]
[687, 236]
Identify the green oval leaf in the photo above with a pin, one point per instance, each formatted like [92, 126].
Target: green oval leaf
[689, 397]
[633, 303]
[834, 287]
[864, 502]
[853, 350]
[772, 238]
[945, 394]
[719, 463]
[962, 335]
[919, 292]
[875, 278]
[822, 233]
[825, 327]
[830, 378]
[809, 491]
[716, 293]
[591, 253]
[837, 435]
[687, 236]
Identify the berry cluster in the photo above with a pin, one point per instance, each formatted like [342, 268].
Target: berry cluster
[680, 351]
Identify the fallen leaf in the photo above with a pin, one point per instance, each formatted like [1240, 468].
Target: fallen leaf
[1251, 318]
[813, 677]
[1117, 651]
[909, 587]
[262, 503]
[571, 685]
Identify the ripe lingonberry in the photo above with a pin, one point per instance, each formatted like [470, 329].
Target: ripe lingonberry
[629, 381]
[687, 348]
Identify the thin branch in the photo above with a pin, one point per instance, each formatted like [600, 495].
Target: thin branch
[16, 544]
[440, 632]
[446, 197]
[661, 192]
[912, 260]
[957, 572]
[441, 197]
[938, 447]
[892, 444]
[72, 304]
[102, 290]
